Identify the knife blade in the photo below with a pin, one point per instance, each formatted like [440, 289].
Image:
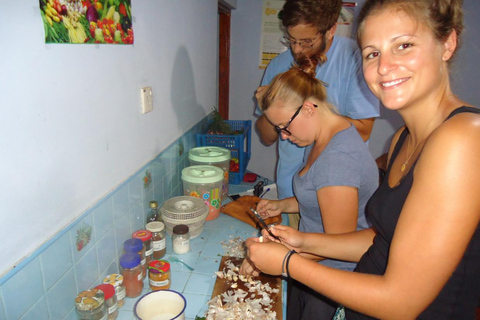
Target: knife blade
[264, 224]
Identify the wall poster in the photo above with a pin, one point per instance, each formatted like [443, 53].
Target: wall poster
[271, 41]
[87, 21]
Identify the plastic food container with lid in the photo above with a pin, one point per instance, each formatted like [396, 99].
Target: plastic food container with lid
[186, 210]
[214, 156]
[204, 182]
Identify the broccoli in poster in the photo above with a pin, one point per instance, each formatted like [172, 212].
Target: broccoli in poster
[87, 21]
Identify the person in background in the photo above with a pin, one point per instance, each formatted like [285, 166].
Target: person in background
[310, 27]
[421, 258]
[337, 177]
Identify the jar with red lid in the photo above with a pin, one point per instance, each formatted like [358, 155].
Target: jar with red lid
[159, 275]
[110, 300]
[146, 237]
[116, 280]
[131, 270]
[158, 239]
[136, 245]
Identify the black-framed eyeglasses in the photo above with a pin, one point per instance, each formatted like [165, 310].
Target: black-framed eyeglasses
[305, 43]
[284, 128]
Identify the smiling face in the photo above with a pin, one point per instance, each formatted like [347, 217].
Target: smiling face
[402, 62]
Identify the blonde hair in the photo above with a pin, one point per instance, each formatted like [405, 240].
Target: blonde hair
[296, 86]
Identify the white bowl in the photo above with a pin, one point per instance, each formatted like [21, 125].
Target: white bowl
[161, 305]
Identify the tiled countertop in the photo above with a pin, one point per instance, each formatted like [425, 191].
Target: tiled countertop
[204, 256]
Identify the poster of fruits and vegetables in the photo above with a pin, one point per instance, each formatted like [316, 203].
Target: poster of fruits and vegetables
[87, 21]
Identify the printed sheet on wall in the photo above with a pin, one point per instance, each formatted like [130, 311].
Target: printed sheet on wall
[272, 33]
[87, 21]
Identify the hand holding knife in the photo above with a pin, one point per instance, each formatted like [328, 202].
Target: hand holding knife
[264, 224]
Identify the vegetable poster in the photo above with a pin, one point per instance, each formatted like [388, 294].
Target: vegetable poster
[87, 21]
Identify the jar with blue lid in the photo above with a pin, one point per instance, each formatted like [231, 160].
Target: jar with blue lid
[131, 270]
[136, 245]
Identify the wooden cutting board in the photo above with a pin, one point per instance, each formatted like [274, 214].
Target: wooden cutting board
[223, 285]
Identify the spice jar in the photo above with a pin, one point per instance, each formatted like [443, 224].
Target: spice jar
[146, 237]
[153, 214]
[136, 245]
[181, 239]
[158, 239]
[131, 270]
[116, 281]
[159, 275]
[110, 300]
[90, 305]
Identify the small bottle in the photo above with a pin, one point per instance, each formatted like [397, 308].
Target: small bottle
[181, 239]
[90, 305]
[136, 245]
[131, 270]
[158, 239]
[159, 275]
[146, 237]
[116, 280]
[110, 300]
[153, 214]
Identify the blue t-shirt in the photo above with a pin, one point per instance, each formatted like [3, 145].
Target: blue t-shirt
[346, 90]
[345, 161]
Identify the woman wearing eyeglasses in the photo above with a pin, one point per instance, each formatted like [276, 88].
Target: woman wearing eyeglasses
[336, 179]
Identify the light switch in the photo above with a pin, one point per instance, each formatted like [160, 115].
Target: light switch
[146, 96]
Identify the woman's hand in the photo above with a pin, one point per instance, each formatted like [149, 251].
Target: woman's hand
[267, 257]
[289, 237]
[269, 208]
[248, 268]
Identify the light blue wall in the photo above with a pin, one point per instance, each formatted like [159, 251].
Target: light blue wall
[71, 130]
[245, 76]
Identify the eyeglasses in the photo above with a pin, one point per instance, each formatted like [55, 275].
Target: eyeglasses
[305, 43]
[284, 128]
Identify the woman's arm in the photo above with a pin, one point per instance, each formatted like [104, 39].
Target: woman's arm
[437, 222]
[272, 208]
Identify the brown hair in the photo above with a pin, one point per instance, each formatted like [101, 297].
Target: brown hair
[297, 85]
[441, 16]
[322, 14]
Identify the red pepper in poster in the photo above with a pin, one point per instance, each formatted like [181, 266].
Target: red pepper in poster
[122, 10]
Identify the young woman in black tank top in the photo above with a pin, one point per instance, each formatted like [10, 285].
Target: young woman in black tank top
[421, 258]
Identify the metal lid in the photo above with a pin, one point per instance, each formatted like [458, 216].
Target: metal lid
[180, 229]
[202, 174]
[153, 204]
[155, 226]
[159, 266]
[108, 290]
[143, 235]
[114, 279]
[209, 154]
[89, 299]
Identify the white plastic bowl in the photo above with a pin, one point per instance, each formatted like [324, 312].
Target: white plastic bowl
[161, 305]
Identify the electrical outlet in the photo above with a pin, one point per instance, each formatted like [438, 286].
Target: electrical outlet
[146, 96]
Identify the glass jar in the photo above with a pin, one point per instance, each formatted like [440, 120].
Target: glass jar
[110, 300]
[181, 239]
[131, 270]
[136, 245]
[153, 214]
[146, 237]
[158, 239]
[90, 305]
[159, 275]
[116, 281]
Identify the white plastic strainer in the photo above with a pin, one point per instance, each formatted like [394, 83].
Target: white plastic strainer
[187, 210]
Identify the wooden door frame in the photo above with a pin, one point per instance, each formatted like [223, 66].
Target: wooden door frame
[223, 59]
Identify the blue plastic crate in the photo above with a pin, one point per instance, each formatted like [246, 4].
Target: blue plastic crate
[239, 145]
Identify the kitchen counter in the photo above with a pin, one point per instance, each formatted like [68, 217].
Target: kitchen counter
[204, 256]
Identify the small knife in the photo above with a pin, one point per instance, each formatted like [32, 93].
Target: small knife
[264, 224]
